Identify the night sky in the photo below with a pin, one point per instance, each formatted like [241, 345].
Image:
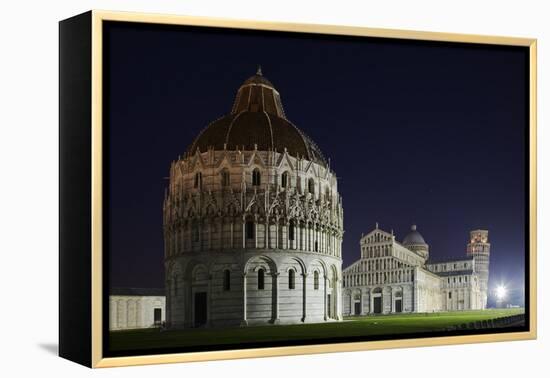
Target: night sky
[424, 133]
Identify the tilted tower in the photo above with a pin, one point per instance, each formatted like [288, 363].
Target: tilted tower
[480, 249]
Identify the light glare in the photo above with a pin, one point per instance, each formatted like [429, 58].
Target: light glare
[501, 292]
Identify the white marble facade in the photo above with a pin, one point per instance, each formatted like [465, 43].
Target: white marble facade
[253, 229]
[131, 308]
[392, 277]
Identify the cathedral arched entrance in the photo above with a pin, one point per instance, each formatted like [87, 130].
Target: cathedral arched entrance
[356, 299]
[377, 300]
[398, 301]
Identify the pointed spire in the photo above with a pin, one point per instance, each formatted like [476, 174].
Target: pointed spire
[377, 225]
[259, 71]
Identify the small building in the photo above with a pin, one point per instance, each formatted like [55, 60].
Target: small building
[131, 308]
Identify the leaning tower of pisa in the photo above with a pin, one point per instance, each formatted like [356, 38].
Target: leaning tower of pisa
[480, 248]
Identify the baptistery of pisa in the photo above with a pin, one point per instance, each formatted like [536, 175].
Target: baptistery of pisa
[253, 222]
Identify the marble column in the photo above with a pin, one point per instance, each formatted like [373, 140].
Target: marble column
[275, 286]
[244, 234]
[256, 232]
[325, 297]
[266, 233]
[209, 302]
[338, 298]
[277, 234]
[232, 227]
[244, 321]
[304, 300]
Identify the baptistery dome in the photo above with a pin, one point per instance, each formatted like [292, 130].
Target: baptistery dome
[252, 221]
[257, 120]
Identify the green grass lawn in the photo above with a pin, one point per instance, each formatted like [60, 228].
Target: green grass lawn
[354, 326]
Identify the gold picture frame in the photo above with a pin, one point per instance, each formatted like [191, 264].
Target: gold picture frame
[96, 358]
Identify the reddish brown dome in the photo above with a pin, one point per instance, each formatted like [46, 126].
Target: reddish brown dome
[257, 119]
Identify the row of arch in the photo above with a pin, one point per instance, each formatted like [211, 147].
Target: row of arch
[263, 290]
[377, 238]
[365, 265]
[374, 277]
[378, 300]
[270, 265]
[195, 235]
[261, 279]
[285, 181]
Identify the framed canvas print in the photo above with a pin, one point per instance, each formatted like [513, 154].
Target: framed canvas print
[234, 189]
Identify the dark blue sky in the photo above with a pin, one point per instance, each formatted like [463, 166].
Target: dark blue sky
[424, 133]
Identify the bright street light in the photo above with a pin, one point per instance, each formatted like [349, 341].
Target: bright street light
[501, 292]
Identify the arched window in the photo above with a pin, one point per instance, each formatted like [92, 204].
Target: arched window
[225, 177]
[316, 280]
[226, 280]
[198, 180]
[285, 180]
[316, 246]
[291, 231]
[249, 230]
[327, 194]
[256, 177]
[291, 279]
[261, 279]
[311, 186]
[195, 230]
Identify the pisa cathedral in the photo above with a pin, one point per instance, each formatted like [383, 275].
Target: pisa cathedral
[392, 277]
[252, 221]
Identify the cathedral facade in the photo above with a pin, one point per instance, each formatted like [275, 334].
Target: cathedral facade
[253, 222]
[393, 277]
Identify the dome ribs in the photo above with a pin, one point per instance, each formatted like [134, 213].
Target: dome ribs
[258, 119]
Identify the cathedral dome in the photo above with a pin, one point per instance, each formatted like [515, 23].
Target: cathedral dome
[257, 121]
[413, 238]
